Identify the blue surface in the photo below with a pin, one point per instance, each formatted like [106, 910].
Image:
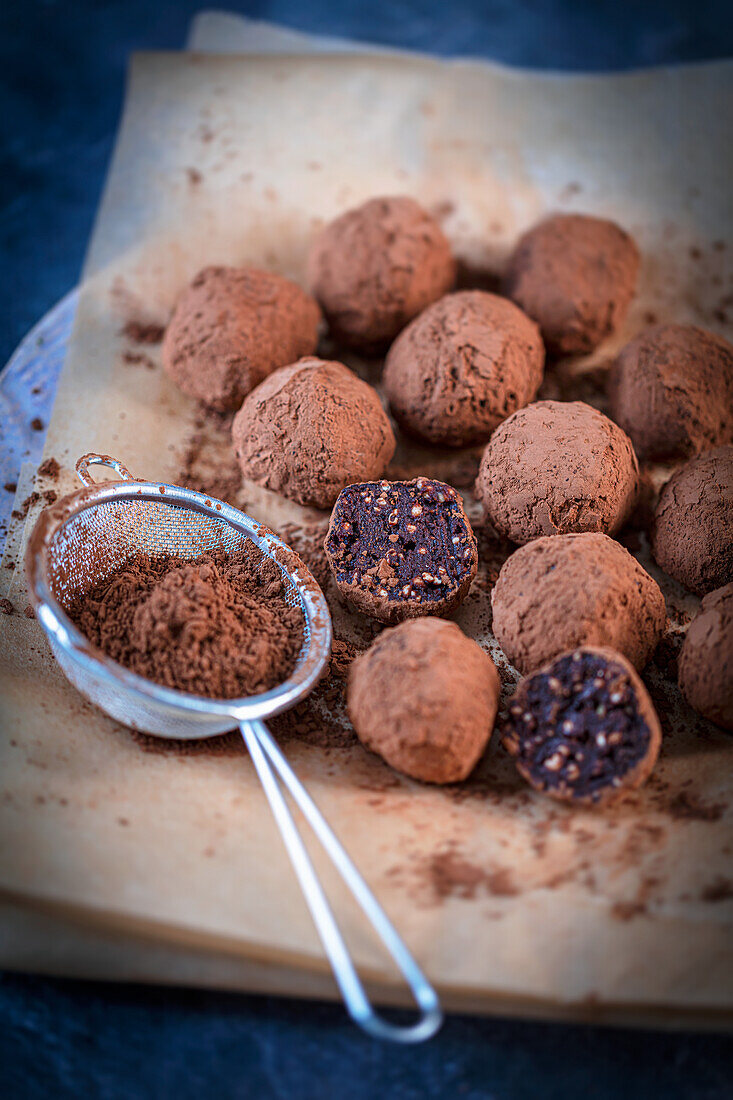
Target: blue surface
[62, 74]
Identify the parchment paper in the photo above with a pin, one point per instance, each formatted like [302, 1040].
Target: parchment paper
[500, 893]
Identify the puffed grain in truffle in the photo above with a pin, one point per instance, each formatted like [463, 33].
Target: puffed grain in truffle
[557, 467]
[310, 429]
[424, 697]
[462, 366]
[575, 275]
[231, 328]
[564, 591]
[706, 659]
[692, 531]
[583, 728]
[671, 389]
[374, 268]
[401, 549]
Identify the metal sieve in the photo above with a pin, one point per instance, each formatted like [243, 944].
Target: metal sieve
[85, 537]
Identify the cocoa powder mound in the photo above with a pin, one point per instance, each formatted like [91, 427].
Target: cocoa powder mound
[217, 625]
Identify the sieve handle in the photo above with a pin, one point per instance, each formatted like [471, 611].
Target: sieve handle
[265, 754]
[93, 459]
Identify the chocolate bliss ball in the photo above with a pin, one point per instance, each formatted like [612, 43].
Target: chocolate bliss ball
[556, 467]
[692, 532]
[671, 389]
[706, 659]
[310, 429]
[374, 268]
[462, 366]
[583, 728]
[401, 549]
[424, 697]
[575, 276]
[231, 328]
[565, 591]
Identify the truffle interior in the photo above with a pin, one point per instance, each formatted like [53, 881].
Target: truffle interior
[578, 727]
[404, 539]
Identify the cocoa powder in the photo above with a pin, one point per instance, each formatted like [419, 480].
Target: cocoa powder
[217, 625]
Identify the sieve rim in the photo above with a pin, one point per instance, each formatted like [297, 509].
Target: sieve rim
[69, 638]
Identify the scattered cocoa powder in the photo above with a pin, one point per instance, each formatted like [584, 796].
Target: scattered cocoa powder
[321, 719]
[37, 424]
[627, 910]
[667, 653]
[217, 625]
[142, 332]
[49, 496]
[458, 469]
[138, 358]
[450, 874]
[453, 876]
[6, 607]
[208, 464]
[685, 806]
[49, 468]
[720, 889]
[27, 504]
[10, 486]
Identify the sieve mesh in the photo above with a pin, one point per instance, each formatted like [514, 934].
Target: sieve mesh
[95, 533]
[83, 539]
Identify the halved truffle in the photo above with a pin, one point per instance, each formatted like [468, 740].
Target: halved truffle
[231, 328]
[424, 697]
[310, 429]
[692, 531]
[583, 728]
[575, 275]
[401, 549]
[462, 366]
[375, 267]
[556, 467]
[671, 389]
[706, 659]
[564, 591]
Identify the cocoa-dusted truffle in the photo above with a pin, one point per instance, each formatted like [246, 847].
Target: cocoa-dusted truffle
[464, 364]
[692, 531]
[583, 728]
[231, 328]
[401, 549]
[556, 467]
[374, 268]
[706, 659]
[310, 429]
[564, 591]
[575, 275]
[424, 696]
[671, 389]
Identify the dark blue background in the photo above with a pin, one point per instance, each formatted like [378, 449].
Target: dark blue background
[62, 69]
